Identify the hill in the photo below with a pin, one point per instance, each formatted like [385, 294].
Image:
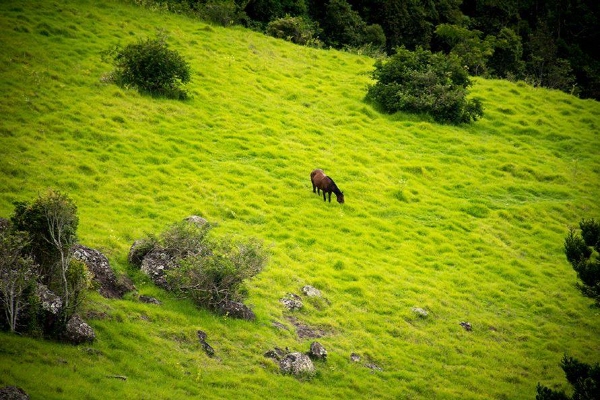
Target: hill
[465, 222]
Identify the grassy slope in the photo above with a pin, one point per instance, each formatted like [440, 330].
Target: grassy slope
[466, 222]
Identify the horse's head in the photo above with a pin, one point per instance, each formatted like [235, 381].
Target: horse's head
[340, 198]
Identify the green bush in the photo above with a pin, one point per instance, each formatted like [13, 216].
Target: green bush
[579, 250]
[215, 278]
[424, 82]
[209, 271]
[219, 12]
[150, 66]
[297, 30]
[584, 378]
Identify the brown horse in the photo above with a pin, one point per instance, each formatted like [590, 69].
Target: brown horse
[320, 181]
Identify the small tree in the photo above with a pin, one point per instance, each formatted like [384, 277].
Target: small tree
[424, 82]
[298, 30]
[51, 222]
[584, 378]
[17, 275]
[582, 252]
[150, 66]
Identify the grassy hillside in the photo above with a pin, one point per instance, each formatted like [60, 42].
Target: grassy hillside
[466, 222]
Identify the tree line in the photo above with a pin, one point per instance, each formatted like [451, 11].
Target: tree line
[549, 43]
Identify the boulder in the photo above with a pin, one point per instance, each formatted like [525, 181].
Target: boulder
[77, 331]
[194, 219]
[138, 251]
[49, 301]
[155, 263]
[354, 357]
[297, 364]
[311, 291]
[13, 393]
[466, 325]
[109, 286]
[236, 309]
[317, 351]
[420, 312]
[207, 347]
[149, 300]
[292, 302]
[276, 353]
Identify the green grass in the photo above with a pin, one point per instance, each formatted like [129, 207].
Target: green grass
[466, 222]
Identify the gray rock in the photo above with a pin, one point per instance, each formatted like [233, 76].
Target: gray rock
[236, 309]
[155, 264]
[207, 347]
[149, 300]
[292, 302]
[109, 286]
[194, 219]
[49, 301]
[77, 331]
[419, 311]
[466, 325]
[297, 364]
[317, 351]
[276, 354]
[311, 291]
[138, 251]
[354, 357]
[13, 393]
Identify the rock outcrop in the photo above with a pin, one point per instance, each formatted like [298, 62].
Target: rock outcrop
[77, 331]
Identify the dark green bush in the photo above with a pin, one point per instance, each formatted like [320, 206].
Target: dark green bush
[298, 30]
[584, 378]
[423, 82]
[579, 250]
[220, 12]
[150, 66]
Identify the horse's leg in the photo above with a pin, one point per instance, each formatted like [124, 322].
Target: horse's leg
[330, 197]
[314, 187]
[324, 196]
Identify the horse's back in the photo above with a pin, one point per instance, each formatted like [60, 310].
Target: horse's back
[316, 174]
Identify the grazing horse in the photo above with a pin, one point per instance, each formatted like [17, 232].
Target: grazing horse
[320, 181]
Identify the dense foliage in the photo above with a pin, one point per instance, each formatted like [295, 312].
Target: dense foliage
[584, 378]
[36, 249]
[582, 252]
[150, 66]
[209, 271]
[422, 82]
[550, 43]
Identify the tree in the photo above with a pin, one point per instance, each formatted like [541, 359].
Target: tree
[17, 275]
[424, 82]
[51, 222]
[506, 60]
[584, 378]
[468, 46]
[582, 252]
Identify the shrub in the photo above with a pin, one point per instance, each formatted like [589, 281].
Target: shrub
[579, 250]
[223, 13]
[295, 29]
[150, 66]
[209, 271]
[584, 378]
[218, 277]
[424, 82]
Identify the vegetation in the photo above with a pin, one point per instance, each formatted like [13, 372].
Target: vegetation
[466, 222]
[551, 43]
[37, 251]
[422, 82]
[209, 271]
[584, 378]
[582, 252]
[150, 66]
